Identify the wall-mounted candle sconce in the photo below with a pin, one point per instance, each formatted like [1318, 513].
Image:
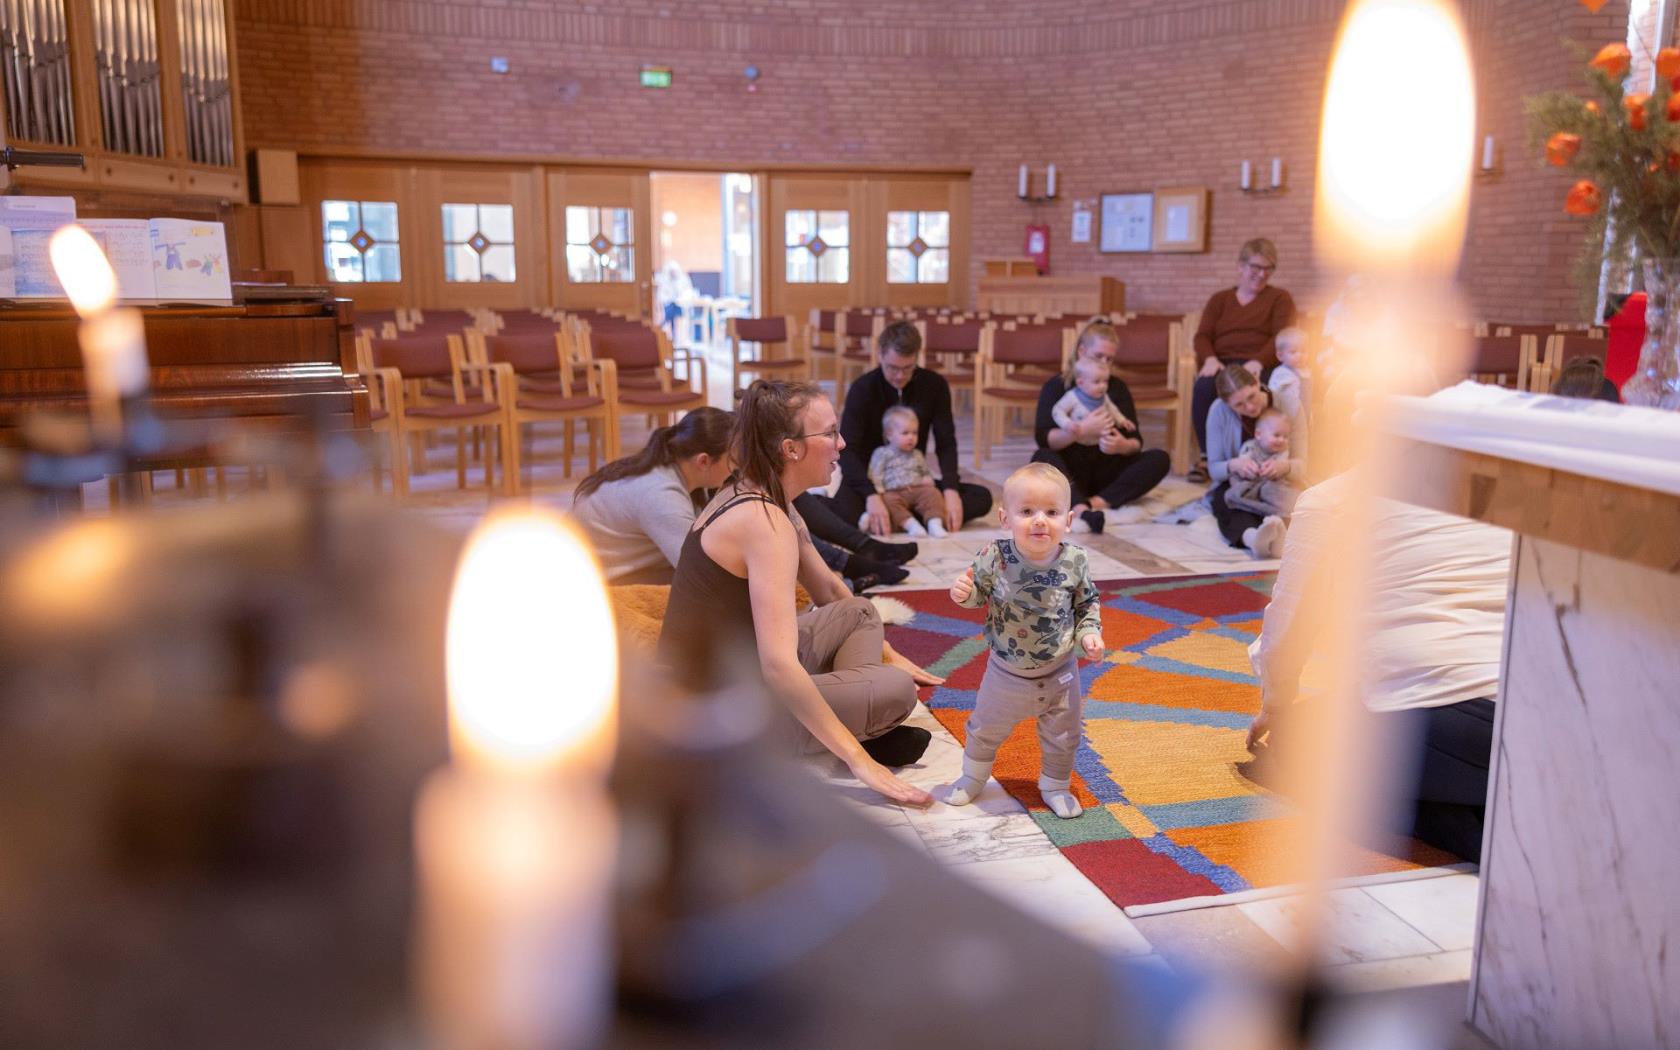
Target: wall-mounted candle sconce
[1248, 184]
[1023, 188]
[1488, 163]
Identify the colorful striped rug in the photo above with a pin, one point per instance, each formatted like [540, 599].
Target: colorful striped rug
[1167, 815]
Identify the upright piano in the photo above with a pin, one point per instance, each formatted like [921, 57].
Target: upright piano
[276, 358]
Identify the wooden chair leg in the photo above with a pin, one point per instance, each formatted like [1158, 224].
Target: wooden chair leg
[510, 459]
[461, 459]
[569, 444]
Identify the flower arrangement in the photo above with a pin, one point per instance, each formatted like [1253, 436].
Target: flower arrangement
[1625, 146]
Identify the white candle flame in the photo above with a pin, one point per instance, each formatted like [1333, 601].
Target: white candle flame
[532, 658]
[83, 270]
[1396, 148]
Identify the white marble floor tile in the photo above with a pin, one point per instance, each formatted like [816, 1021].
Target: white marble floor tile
[1443, 909]
[977, 836]
[1410, 971]
[1051, 888]
[1359, 929]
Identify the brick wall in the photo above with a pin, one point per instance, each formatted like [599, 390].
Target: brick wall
[1127, 95]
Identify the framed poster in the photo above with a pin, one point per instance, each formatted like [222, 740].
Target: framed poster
[1181, 219]
[1127, 219]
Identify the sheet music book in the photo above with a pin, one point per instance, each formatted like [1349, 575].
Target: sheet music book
[30, 221]
[128, 245]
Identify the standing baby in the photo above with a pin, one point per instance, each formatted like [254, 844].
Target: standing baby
[1041, 607]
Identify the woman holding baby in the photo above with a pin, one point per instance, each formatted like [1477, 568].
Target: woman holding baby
[1087, 429]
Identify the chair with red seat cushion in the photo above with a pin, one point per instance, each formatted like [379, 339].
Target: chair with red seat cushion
[403, 365]
[647, 351]
[1002, 380]
[549, 389]
[751, 340]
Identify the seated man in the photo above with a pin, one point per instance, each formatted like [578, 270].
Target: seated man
[1438, 586]
[898, 381]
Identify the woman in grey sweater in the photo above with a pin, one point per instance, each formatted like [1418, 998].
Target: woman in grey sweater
[636, 510]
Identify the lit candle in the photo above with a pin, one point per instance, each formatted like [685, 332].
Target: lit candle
[1487, 153]
[1022, 190]
[1394, 167]
[113, 341]
[515, 839]
[1050, 182]
[1247, 177]
[1277, 172]
[1391, 202]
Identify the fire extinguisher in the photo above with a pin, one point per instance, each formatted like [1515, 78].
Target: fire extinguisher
[1038, 246]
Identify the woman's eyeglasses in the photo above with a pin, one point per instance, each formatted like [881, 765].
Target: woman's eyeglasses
[831, 434]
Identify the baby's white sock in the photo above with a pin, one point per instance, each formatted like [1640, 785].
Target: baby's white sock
[1249, 541]
[936, 526]
[1268, 538]
[1059, 798]
[912, 527]
[968, 786]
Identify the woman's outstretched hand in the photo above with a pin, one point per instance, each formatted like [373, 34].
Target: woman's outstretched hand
[880, 779]
[893, 658]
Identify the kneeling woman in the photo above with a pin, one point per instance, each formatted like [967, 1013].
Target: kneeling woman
[734, 590]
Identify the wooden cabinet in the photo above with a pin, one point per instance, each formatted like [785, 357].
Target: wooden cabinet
[1052, 296]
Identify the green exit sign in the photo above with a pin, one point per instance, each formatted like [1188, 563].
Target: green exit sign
[656, 76]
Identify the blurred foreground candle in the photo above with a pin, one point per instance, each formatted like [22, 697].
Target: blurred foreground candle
[1393, 184]
[515, 840]
[113, 340]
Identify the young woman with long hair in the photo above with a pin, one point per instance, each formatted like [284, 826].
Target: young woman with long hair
[734, 592]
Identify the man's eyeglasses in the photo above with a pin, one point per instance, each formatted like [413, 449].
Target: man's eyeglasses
[832, 433]
[1261, 268]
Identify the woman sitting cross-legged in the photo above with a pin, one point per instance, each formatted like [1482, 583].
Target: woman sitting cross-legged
[1231, 423]
[637, 509]
[734, 592]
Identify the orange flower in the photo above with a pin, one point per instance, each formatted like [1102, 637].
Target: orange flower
[1635, 103]
[1673, 108]
[1613, 59]
[1592, 108]
[1583, 199]
[1593, 5]
[1668, 63]
[1562, 147]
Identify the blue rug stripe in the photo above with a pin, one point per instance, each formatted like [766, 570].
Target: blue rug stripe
[1171, 634]
[1088, 764]
[1232, 633]
[1154, 612]
[948, 625]
[1130, 712]
[1210, 812]
[1162, 663]
[1193, 861]
[1183, 582]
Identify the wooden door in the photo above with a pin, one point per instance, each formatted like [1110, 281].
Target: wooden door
[360, 226]
[601, 240]
[921, 240]
[479, 233]
[816, 255]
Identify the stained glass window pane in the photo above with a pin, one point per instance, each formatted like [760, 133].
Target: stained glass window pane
[620, 264]
[935, 266]
[460, 222]
[934, 228]
[901, 229]
[833, 266]
[580, 264]
[901, 266]
[801, 226]
[577, 225]
[495, 221]
[379, 219]
[617, 225]
[460, 263]
[834, 227]
[801, 266]
[344, 262]
[498, 263]
[383, 262]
